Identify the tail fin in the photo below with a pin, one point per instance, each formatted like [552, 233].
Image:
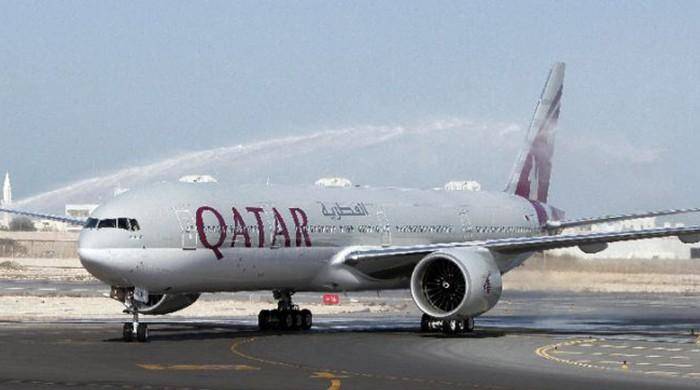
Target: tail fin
[533, 168]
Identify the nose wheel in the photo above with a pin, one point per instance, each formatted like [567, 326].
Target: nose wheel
[287, 316]
[135, 330]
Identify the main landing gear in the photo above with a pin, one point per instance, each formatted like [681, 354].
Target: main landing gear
[449, 327]
[287, 316]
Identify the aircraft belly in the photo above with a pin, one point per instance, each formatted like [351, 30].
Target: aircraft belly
[176, 270]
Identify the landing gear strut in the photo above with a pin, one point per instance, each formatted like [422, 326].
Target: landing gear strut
[449, 327]
[134, 330]
[287, 316]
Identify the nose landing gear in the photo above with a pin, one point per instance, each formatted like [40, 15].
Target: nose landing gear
[134, 330]
[287, 316]
[449, 327]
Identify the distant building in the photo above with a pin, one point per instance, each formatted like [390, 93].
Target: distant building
[6, 200]
[78, 211]
[339, 182]
[198, 179]
[49, 225]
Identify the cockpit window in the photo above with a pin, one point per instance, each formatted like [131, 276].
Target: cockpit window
[91, 223]
[111, 223]
[107, 223]
[123, 223]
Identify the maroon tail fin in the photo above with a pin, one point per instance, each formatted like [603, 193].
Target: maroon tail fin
[533, 168]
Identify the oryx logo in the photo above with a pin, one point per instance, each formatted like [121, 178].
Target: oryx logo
[487, 284]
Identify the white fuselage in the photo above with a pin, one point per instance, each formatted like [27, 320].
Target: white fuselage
[205, 237]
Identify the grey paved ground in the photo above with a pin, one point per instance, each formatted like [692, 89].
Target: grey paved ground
[530, 341]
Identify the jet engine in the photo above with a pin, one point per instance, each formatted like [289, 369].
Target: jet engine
[157, 303]
[456, 283]
[167, 303]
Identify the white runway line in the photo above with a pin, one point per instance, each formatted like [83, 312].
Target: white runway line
[624, 354]
[661, 372]
[680, 357]
[675, 365]
[667, 349]
[609, 362]
[47, 289]
[14, 288]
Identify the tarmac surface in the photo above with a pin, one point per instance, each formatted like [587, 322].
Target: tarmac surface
[530, 341]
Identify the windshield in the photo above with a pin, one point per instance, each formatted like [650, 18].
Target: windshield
[124, 223]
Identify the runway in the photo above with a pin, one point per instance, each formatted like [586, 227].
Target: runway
[531, 341]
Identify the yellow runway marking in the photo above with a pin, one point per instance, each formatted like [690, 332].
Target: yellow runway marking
[335, 379]
[199, 367]
[553, 353]
[319, 372]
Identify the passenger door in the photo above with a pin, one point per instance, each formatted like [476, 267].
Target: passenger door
[467, 227]
[385, 227]
[187, 228]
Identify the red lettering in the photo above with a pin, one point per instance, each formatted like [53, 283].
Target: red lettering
[261, 228]
[203, 234]
[280, 229]
[239, 229]
[301, 222]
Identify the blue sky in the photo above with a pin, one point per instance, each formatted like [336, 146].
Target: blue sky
[87, 88]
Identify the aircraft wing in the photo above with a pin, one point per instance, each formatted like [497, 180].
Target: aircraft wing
[590, 242]
[620, 217]
[60, 218]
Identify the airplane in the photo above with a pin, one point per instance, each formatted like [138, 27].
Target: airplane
[161, 246]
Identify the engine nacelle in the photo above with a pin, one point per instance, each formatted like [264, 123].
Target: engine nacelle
[157, 303]
[166, 303]
[456, 283]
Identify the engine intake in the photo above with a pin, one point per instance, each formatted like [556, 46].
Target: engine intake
[456, 283]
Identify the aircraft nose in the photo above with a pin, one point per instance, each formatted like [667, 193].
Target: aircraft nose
[96, 262]
[99, 261]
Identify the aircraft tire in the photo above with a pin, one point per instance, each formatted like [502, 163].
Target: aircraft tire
[286, 320]
[128, 332]
[142, 333]
[450, 327]
[264, 320]
[468, 325]
[424, 323]
[306, 319]
[298, 320]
